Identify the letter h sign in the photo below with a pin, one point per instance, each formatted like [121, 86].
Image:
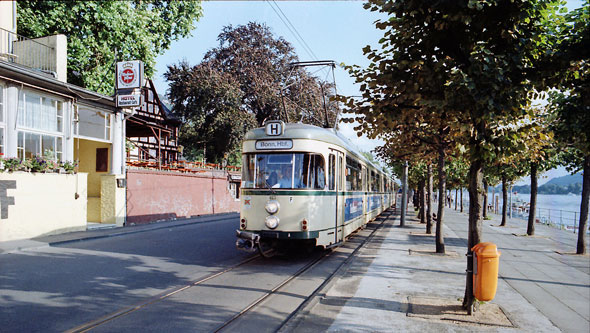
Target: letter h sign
[274, 128]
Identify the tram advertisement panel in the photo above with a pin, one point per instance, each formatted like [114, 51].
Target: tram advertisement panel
[353, 208]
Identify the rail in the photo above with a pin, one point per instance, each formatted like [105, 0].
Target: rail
[182, 166]
[558, 218]
[27, 52]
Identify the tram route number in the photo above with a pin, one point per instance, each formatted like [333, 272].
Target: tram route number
[274, 144]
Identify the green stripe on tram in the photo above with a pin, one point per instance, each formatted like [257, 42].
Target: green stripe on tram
[302, 192]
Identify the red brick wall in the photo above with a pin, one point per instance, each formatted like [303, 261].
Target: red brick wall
[160, 195]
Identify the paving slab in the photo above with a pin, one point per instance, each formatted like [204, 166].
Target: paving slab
[539, 290]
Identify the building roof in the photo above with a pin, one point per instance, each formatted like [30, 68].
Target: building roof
[38, 80]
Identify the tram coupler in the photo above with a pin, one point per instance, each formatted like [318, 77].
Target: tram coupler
[247, 241]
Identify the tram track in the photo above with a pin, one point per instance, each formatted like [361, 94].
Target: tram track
[126, 311]
[236, 319]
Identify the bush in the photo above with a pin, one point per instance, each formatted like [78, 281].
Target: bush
[36, 164]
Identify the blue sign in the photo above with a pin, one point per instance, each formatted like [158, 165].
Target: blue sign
[353, 208]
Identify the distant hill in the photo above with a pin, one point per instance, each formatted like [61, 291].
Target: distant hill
[560, 185]
[566, 180]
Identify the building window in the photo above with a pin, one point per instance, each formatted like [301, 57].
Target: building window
[40, 130]
[234, 189]
[40, 113]
[93, 124]
[34, 144]
[102, 159]
[1, 141]
[1, 120]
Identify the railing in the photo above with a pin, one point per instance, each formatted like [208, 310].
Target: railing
[26, 52]
[557, 218]
[562, 219]
[182, 166]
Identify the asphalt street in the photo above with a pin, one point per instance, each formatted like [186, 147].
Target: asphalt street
[55, 288]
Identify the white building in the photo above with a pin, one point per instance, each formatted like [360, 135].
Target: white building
[42, 115]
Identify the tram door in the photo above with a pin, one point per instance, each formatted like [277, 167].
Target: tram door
[336, 167]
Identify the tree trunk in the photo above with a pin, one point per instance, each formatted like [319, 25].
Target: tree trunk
[504, 202]
[404, 206]
[485, 199]
[422, 192]
[474, 234]
[583, 225]
[442, 178]
[456, 196]
[449, 198]
[429, 201]
[530, 229]
[461, 199]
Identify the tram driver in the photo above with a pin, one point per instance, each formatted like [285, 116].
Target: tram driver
[286, 177]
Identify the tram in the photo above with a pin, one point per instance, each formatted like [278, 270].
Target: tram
[305, 186]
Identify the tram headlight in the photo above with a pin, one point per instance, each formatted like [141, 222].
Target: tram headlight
[272, 206]
[272, 221]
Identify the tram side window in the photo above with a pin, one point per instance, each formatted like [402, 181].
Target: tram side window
[353, 175]
[374, 181]
[310, 170]
[248, 167]
[364, 175]
[332, 172]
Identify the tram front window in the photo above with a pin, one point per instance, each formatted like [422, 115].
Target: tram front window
[292, 171]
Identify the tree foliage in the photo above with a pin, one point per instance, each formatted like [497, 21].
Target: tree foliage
[571, 60]
[238, 85]
[103, 32]
[467, 64]
[209, 104]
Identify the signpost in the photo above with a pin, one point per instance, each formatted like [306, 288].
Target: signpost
[128, 83]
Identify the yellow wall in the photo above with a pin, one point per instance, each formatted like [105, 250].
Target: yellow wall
[112, 200]
[86, 154]
[43, 204]
[87, 157]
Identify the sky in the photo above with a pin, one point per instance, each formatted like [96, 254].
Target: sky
[332, 30]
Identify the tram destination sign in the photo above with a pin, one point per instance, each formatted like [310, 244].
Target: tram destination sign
[273, 144]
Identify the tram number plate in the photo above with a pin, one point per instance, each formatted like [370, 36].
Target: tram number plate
[274, 144]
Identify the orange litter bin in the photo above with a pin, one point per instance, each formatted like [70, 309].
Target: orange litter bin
[486, 260]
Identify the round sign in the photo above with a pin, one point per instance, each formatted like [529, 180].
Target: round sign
[127, 76]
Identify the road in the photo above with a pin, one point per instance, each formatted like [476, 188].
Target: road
[184, 278]
[57, 288]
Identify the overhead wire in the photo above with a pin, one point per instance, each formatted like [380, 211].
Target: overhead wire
[283, 17]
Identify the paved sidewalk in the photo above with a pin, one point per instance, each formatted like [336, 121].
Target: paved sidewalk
[539, 290]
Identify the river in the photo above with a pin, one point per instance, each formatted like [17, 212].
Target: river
[560, 210]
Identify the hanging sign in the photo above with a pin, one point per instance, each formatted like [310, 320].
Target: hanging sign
[129, 74]
[124, 101]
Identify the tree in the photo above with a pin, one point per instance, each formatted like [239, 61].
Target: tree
[483, 53]
[540, 157]
[241, 83]
[103, 32]
[399, 100]
[570, 60]
[262, 65]
[209, 104]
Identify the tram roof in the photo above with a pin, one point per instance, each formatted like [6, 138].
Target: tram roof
[311, 132]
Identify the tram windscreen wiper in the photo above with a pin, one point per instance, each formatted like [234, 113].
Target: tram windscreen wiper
[269, 187]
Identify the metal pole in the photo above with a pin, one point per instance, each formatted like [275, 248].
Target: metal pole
[510, 201]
